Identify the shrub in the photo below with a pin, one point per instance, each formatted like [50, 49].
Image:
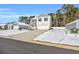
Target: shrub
[74, 31]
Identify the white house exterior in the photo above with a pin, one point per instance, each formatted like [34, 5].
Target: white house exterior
[41, 22]
[73, 25]
[33, 23]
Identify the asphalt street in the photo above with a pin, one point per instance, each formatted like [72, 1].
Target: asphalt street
[10, 46]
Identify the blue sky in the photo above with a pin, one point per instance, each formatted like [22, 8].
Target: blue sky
[11, 12]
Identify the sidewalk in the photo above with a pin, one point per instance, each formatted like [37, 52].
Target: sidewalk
[11, 32]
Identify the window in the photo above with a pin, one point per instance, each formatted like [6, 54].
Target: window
[45, 19]
[39, 19]
[32, 20]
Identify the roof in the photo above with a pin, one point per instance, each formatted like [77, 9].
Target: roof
[43, 15]
[73, 22]
[21, 23]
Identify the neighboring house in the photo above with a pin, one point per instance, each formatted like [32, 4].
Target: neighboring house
[9, 26]
[73, 25]
[41, 22]
[15, 25]
[23, 25]
[2, 26]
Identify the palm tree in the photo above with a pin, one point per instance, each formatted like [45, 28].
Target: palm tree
[59, 17]
[23, 19]
[70, 12]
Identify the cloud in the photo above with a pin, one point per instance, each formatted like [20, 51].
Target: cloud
[7, 13]
[8, 16]
[4, 9]
[11, 16]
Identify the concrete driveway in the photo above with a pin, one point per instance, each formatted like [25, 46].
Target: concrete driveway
[59, 36]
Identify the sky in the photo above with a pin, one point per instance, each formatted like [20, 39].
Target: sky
[11, 12]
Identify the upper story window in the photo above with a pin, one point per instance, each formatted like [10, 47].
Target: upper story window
[39, 19]
[45, 19]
